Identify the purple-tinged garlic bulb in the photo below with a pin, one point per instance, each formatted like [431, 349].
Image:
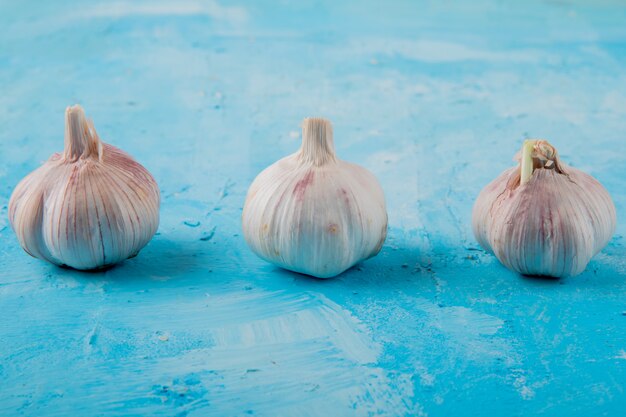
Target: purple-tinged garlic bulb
[87, 208]
[314, 213]
[543, 217]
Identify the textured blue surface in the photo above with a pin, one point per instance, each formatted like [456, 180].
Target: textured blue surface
[433, 98]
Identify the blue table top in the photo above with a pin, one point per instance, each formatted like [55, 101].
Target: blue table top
[433, 97]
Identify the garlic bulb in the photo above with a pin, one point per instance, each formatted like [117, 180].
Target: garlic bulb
[313, 213]
[544, 217]
[87, 208]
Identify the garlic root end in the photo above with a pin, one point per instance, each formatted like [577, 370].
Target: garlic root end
[527, 161]
[317, 141]
[81, 139]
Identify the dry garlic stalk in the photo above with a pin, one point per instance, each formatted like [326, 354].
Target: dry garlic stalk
[87, 208]
[313, 213]
[544, 217]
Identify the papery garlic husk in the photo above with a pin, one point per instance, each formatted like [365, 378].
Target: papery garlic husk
[543, 217]
[87, 208]
[313, 213]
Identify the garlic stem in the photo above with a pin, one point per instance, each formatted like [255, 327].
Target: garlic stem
[527, 161]
[317, 141]
[81, 139]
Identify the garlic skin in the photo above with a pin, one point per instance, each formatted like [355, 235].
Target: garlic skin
[87, 208]
[313, 213]
[543, 217]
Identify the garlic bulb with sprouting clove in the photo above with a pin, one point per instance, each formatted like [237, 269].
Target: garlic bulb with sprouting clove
[87, 208]
[314, 213]
[544, 217]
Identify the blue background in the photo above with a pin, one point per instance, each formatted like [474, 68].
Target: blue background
[434, 97]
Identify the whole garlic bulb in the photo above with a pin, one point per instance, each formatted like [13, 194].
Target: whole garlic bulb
[313, 213]
[544, 217]
[87, 208]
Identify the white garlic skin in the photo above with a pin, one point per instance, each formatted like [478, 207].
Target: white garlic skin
[550, 226]
[88, 208]
[313, 213]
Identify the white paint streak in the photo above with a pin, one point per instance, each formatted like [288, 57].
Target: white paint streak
[621, 355]
[463, 323]
[435, 51]
[211, 9]
[321, 320]
[523, 389]
[299, 348]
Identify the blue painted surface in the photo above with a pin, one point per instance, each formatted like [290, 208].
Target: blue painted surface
[433, 98]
